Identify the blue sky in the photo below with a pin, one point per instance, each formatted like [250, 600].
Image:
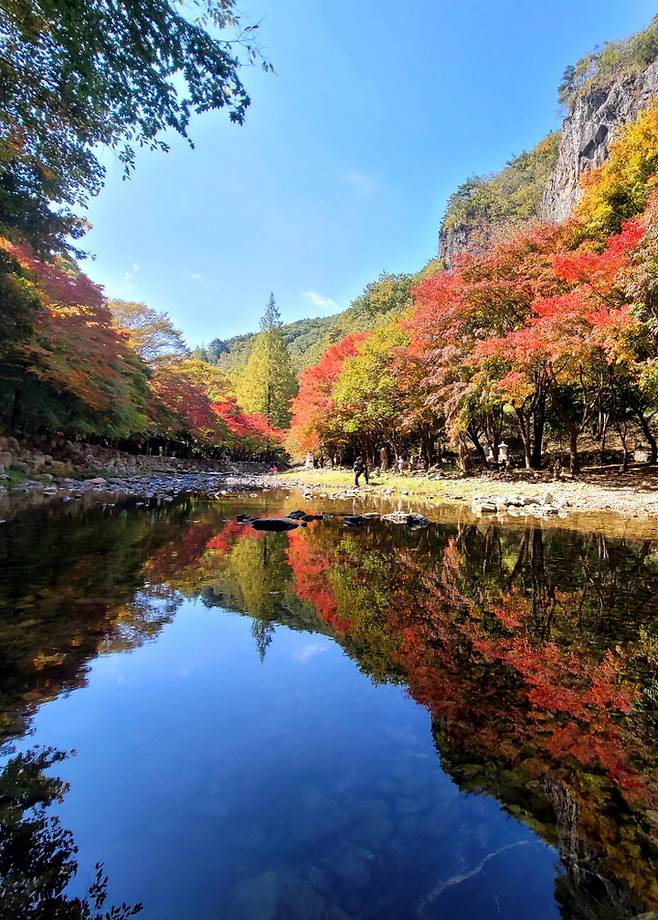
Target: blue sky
[378, 110]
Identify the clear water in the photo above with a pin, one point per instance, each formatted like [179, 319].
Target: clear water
[456, 722]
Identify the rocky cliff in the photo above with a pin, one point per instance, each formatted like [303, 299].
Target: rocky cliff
[586, 134]
[544, 183]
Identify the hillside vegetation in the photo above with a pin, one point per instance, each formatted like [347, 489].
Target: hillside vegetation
[298, 336]
[513, 196]
[307, 339]
[615, 59]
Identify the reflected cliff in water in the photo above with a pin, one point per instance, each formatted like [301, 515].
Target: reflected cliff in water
[534, 651]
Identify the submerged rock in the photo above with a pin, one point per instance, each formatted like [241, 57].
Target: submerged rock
[304, 516]
[256, 898]
[485, 507]
[354, 520]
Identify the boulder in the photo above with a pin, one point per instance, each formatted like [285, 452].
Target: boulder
[9, 444]
[276, 524]
[409, 520]
[354, 520]
[6, 460]
[302, 516]
[485, 507]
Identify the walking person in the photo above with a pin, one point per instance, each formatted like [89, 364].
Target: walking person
[360, 469]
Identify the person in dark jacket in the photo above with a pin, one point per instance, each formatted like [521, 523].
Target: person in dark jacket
[360, 469]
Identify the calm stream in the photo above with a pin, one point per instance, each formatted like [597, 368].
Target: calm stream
[454, 722]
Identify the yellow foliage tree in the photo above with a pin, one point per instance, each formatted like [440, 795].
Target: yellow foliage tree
[620, 188]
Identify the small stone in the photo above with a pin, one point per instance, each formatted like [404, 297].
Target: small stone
[255, 898]
[485, 507]
[410, 520]
[350, 865]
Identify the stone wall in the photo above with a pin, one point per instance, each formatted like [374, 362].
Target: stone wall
[57, 457]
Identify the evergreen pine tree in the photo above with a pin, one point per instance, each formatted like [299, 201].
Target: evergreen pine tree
[268, 383]
[271, 318]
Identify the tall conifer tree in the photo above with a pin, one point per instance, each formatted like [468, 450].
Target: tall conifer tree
[268, 382]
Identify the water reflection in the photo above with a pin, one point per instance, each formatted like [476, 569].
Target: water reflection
[37, 854]
[535, 653]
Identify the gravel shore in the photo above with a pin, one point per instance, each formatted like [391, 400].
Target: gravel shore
[142, 489]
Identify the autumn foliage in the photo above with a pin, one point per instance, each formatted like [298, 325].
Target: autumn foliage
[549, 333]
[81, 372]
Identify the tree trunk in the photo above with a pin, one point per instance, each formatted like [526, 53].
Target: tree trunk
[648, 434]
[622, 430]
[473, 435]
[603, 429]
[574, 459]
[462, 448]
[538, 423]
[524, 428]
[15, 409]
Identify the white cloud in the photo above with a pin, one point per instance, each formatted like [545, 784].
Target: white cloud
[129, 275]
[318, 301]
[195, 276]
[360, 182]
[310, 650]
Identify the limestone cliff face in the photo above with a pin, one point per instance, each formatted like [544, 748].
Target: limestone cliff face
[587, 132]
[453, 241]
[583, 144]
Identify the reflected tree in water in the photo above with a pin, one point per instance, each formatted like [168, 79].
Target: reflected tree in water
[534, 650]
[37, 854]
[263, 633]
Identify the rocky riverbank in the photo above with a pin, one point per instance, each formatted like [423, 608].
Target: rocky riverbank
[147, 487]
[140, 490]
[633, 495]
[60, 470]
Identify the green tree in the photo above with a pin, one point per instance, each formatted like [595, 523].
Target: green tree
[381, 301]
[150, 333]
[19, 303]
[84, 73]
[271, 318]
[268, 384]
[368, 399]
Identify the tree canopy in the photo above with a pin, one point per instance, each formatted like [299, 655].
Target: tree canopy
[83, 74]
[550, 331]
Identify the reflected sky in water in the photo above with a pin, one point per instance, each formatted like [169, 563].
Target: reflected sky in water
[337, 724]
